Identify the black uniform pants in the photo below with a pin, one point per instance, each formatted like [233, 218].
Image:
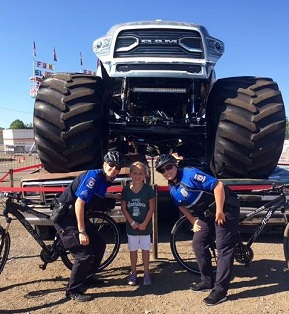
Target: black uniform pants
[226, 237]
[87, 258]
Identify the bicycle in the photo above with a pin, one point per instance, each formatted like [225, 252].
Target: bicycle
[182, 233]
[15, 205]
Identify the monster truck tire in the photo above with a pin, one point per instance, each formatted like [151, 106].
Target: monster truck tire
[248, 127]
[68, 122]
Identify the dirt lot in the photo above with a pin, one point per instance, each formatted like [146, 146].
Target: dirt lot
[25, 288]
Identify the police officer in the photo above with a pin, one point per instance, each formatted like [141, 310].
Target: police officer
[77, 233]
[213, 210]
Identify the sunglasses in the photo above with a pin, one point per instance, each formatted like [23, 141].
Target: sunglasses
[166, 168]
[113, 165]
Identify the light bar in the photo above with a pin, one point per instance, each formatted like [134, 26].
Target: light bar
[159, 90]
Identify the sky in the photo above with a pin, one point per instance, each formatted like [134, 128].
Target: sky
[255, 33]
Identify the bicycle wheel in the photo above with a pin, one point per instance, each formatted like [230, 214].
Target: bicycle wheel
[5, 243]
[110, 232]
[286, 244]
[181, 245]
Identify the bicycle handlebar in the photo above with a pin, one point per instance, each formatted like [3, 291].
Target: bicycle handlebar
[18, 197]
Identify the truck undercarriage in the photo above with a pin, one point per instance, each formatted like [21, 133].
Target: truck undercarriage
[156, 92]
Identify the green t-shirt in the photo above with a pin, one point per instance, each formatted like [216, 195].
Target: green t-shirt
[138, 206]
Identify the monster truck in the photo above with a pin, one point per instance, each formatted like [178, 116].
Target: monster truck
[156, 92]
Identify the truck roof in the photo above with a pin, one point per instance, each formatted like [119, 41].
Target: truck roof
[156, 23]
[44, 175]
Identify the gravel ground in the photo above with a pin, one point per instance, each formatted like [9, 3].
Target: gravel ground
[24, 288]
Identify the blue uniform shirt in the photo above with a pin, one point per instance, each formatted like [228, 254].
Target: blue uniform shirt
[92, 183]
[88, 186]
[194, 190]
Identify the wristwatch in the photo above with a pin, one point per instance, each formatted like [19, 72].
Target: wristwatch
[82, 231]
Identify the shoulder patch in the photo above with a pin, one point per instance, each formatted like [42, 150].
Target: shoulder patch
[200, 177]
[90, 183]
[184, 192]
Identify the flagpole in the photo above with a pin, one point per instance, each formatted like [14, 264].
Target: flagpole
[33, 72]
[81, 63]
[33, 68]
[54, 59]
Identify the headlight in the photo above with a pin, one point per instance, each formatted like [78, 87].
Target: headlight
[102, 46]
[216, 47]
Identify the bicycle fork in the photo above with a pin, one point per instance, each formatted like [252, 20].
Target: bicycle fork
[49, 253]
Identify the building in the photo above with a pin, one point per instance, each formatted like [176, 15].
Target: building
[18, 140]
[285, 152]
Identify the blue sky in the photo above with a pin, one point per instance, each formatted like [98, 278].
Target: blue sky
[255, 33]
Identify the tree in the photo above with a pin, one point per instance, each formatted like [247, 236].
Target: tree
[29, 126]
[287, 129]
[17, 124]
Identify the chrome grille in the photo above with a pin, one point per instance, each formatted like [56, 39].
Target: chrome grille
[45, 198]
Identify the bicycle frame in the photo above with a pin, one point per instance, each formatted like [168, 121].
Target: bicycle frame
[243, 251]
[273, 205]
[15, 210]
[50, 252]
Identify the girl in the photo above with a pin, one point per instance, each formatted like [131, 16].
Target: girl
[138, 205]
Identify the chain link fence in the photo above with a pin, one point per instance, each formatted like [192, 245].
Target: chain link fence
[13, 166]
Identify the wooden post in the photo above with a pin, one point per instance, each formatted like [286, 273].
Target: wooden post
[155, 225]
[153, 171]
[11, 178]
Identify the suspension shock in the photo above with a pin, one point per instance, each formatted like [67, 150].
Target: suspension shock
[123, 97]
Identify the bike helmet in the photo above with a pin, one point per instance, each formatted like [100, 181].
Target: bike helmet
[164, 159]
[115, 157]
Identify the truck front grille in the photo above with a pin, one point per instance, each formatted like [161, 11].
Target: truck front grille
[45, 198]
[159, 43]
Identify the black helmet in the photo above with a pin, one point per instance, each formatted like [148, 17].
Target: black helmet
[164, 159]
[115, 157]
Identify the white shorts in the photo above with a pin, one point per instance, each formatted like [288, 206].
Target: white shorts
[134, 242]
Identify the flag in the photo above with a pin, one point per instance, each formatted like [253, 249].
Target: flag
[54, 55]
[34, 49]
[81, 63]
